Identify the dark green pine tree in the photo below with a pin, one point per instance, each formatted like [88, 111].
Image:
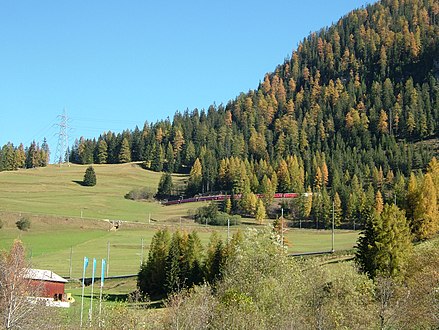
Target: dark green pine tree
[194, 259]
[165, 186]
[89, 177]
[152, 274]
[176, 265]
[112, 148]
[366, 244]
[157, 158]
[215, 259]
[32, 156]
[45, 153]
[137, 145]
[385, 245]
[189, 154]
[177, 163]
[209, 170]
[125, 151]
[170, 161]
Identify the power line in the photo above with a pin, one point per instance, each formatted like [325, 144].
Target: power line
[62, 153]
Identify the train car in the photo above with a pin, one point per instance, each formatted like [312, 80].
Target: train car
[291, 195]
[172, 202]
[223, 197]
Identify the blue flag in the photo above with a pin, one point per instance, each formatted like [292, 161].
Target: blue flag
[94, 270]
[104, 262]
[85, 263]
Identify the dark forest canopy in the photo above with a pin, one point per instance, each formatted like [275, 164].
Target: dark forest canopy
[354, 95]
[344, 113]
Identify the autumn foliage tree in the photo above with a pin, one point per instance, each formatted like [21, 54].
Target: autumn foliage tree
[344, 110]
[195, 179]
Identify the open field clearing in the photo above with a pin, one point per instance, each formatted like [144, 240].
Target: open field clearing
[55, 190]
[52, 241]
[59, 238]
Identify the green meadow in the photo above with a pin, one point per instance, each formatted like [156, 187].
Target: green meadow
[61, 247]
[55, 190]
[59, 237]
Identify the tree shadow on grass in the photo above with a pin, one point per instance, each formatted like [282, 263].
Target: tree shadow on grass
[81, 183]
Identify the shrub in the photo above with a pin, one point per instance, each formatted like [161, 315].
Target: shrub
[139, 194]
[89, 177]
[210, 215]
[23, 224]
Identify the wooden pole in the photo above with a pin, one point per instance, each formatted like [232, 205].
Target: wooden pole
[282, 227]
[333, 225]
[70, 265]
[108, 257]
[141, 254]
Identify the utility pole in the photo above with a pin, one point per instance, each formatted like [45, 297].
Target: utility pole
[228, 230]
[141, 254]
[333, 222]
[108, 257]
[282, 227]
[62, 149]
[70, 265]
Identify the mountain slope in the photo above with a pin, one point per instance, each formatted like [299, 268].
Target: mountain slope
[341, 116]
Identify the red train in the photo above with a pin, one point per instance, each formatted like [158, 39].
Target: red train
[222, 197]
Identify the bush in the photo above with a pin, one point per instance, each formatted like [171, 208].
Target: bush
[210, 215]
[23, 224]
[89, 177]
[139, 194]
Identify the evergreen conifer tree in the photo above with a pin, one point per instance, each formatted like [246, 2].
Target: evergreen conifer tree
[385, 244]
[214, 262]
[152, 274]
[194, 258]
[89, 177]
[175, 277]
[170, 161]
[158, 158]
[165, 186]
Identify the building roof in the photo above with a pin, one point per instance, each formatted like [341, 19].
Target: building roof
[44, 275]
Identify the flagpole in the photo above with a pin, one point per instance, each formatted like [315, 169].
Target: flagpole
[83, 285]
[100, 294]
[92, 285]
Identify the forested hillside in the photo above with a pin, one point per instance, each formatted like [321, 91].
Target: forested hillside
[342, 117]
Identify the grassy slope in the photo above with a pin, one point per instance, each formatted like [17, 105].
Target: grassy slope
[53, 202]
[53, 190]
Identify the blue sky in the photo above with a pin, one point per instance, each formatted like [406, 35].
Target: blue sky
[115, 64]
